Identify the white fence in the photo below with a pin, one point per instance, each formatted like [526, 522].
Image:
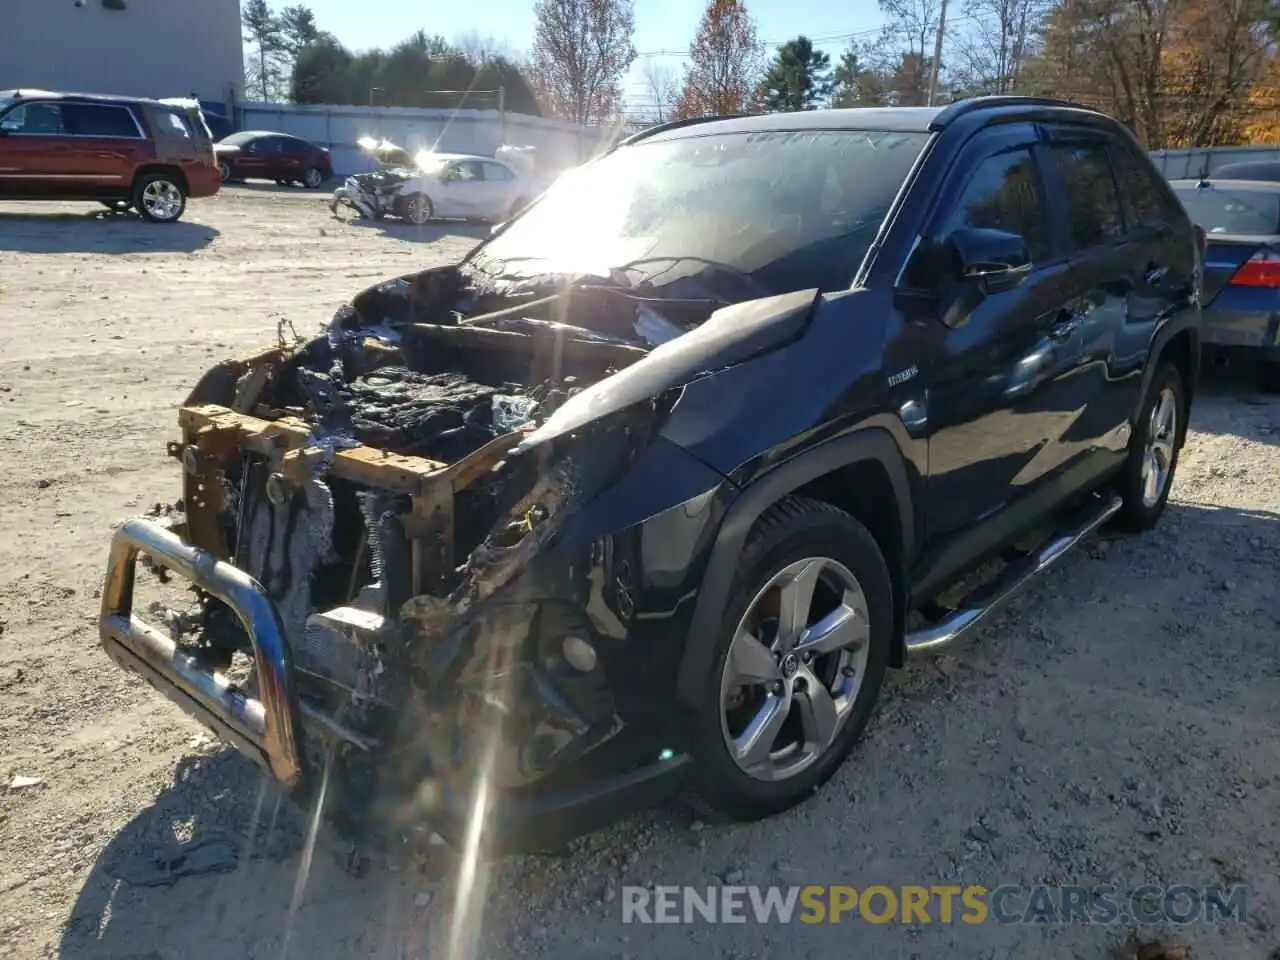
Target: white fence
[559, 144]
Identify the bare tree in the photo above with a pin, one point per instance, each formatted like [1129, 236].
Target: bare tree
[988, 56]
[661, 91]
[906, 48]
[481, 48]
[581, 50]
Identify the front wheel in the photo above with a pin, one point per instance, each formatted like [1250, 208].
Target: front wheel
[417, 209]
[1147, 476]
[159, 197]
[224, 171]
[799, 660]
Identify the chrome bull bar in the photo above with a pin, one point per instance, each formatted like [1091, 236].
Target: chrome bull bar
[264, 729]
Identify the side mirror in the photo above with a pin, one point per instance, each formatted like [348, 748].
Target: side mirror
[996, 258]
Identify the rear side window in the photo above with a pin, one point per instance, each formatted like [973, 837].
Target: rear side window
[496, 171]
[1004, 194]
[97, 120]
[1251, 212]
[1093, 203]
[1147, 199]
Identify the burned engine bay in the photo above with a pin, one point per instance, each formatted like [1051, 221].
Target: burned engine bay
[369, 479]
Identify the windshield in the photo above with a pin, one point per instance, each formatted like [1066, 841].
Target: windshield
[1235, 210]
[791, 210]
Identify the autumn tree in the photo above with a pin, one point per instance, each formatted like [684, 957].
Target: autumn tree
[798, 78]
[581, 51]
[724, 62]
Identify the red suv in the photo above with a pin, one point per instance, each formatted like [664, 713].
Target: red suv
[122, 151]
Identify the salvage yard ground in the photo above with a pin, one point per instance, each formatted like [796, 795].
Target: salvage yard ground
[1120, 724]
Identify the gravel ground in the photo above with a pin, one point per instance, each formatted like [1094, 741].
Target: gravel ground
[1118, 725]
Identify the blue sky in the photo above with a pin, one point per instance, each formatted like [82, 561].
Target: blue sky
[664, 28]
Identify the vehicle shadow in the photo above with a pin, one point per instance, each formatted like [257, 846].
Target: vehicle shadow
[426, 233]
[99, 231]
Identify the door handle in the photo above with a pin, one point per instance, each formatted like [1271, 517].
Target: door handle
[1154, 274]
[1065, 326]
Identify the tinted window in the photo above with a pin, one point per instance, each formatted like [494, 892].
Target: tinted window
[272, 145]
[1147, 199]
[295, 146]
[1004, 194]
[1233, 210]
[34, 119]
[95, 120]
[239, 139]
[1093, 206]
[496, 171]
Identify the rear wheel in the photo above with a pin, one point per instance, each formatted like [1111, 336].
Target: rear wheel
[313, 177]
[159, 197]
[799, 661]
[1147, 476]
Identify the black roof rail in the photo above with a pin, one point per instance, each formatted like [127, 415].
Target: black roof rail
[960, 108]
[672, 125]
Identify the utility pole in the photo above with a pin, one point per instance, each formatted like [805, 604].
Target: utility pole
[937, 53]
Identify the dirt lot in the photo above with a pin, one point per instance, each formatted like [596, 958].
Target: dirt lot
[1119, 725]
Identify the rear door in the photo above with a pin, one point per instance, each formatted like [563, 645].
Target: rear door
[109, 144]
[1112, 273]
[35, 156]
[501, 184]
[295, 157]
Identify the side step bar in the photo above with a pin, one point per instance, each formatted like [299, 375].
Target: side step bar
[989, 598]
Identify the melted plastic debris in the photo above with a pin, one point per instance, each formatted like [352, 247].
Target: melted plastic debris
[512, 411]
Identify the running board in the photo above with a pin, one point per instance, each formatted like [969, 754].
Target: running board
[991, 597]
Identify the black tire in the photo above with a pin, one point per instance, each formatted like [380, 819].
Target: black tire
[115, 206]
[313, 178]
[1135, 514]
[225, 173]
[417, 209]
[791, 530]
[150, 184]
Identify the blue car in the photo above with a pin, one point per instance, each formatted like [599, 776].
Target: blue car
[1241, 219]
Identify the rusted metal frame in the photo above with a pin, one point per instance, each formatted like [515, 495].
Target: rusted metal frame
[213, 433]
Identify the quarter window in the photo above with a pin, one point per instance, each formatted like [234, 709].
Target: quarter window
[174, 124]
[1004, 194]
[1093, 205]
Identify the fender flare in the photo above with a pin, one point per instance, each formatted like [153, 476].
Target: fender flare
[1159, 344]
[866, 444]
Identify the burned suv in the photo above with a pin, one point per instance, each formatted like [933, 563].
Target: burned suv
[637, 499]
[124, 152]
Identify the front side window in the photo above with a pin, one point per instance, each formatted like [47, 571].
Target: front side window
[468, 170]
[1004, 194]
[738, 214]
[97, 120]
[1093, 204]
[34, 120]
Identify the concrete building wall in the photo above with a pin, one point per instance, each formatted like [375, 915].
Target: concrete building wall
[152, 48]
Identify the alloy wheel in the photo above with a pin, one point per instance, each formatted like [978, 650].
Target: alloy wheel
[224, 171]
[794, 668]
[314, 178]
[1162, 436]
[162, 199]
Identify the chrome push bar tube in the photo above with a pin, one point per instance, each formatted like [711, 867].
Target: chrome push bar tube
[264, 729]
